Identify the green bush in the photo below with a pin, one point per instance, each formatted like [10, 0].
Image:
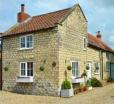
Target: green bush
[109, 79]
[95, 82]
[42, 68]
[69, 67]
[84, 74]
[66, 84]
[6, 69]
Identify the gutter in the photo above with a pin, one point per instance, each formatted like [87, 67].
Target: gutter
[101, 64]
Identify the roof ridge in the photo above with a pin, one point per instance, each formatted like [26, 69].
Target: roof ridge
[51, 12]
[101, 44]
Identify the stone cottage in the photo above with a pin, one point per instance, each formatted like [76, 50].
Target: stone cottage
[100, 58]
[37, 50]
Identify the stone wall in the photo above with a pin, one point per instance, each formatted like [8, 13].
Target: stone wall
[45, 51]
[71, 32]
[93, 57]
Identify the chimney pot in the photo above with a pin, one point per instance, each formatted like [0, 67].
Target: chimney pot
[98, 35]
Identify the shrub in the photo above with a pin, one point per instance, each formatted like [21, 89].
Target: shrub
[95, 82]
[6, 69]
[84, 74]
[109, 79]
[42, 68]
[69, 67]
[66, 84]
[54, 64]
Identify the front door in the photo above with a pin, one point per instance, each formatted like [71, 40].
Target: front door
[88, 70]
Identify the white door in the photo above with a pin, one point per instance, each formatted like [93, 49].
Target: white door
[88, 70]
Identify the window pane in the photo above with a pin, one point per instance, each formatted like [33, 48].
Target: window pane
[30, 73]
[30, 65]
[75, 69]
[22, 72]
[22, 42]
[22, 66]
[30, 69]
[84, 43]
[97, 67]
[77, 72]
[107, 66]
[29, 41]
[23, 69]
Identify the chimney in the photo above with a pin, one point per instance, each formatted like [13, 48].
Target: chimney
[22, 16]
[98, 35]
[22, 7]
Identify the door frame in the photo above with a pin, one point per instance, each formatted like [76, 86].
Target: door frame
[90, 63]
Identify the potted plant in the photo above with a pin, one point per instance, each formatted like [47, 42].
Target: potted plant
[42, 68]
[69, 67]
[84, 75]
[85, 88]
[87, 67]
[89, 84]
[66, 89]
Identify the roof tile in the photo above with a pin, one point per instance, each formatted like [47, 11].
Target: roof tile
[98, 43]
[38, 22]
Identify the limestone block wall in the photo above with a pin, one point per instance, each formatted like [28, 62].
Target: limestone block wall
[45, 51]
[93, 57]
[71, 32]
[106, 74]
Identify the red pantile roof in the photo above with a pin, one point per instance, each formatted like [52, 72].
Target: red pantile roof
[38, 22]
[98, 43]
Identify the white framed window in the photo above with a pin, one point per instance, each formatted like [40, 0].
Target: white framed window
[26, 42]
[108, 66]
[84, 43]
[108, 56]
[97, 68]
[75, 69]
[26, 69]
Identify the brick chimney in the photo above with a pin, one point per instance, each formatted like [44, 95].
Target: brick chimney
[22, 16]
[98, 35]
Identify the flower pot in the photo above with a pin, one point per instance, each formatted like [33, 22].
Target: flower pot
[67, 93]
[84, 88]
[80, 90]
[90, 88]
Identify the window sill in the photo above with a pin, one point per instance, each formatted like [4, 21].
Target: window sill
[77, 80]
[22, 79]
[84, 49]
[20, 49]
[96, 73]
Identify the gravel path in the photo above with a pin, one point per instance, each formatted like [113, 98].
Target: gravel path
[104, 95]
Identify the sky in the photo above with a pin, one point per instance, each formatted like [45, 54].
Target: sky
[99, 13]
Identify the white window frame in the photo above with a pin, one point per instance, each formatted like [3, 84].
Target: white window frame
[25, 69]
[25, 36]
[97, 73]
[107, 68]
[84, 43]
[108, 56]
[78, 69]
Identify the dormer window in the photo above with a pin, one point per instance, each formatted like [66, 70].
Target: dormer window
[26, 42]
